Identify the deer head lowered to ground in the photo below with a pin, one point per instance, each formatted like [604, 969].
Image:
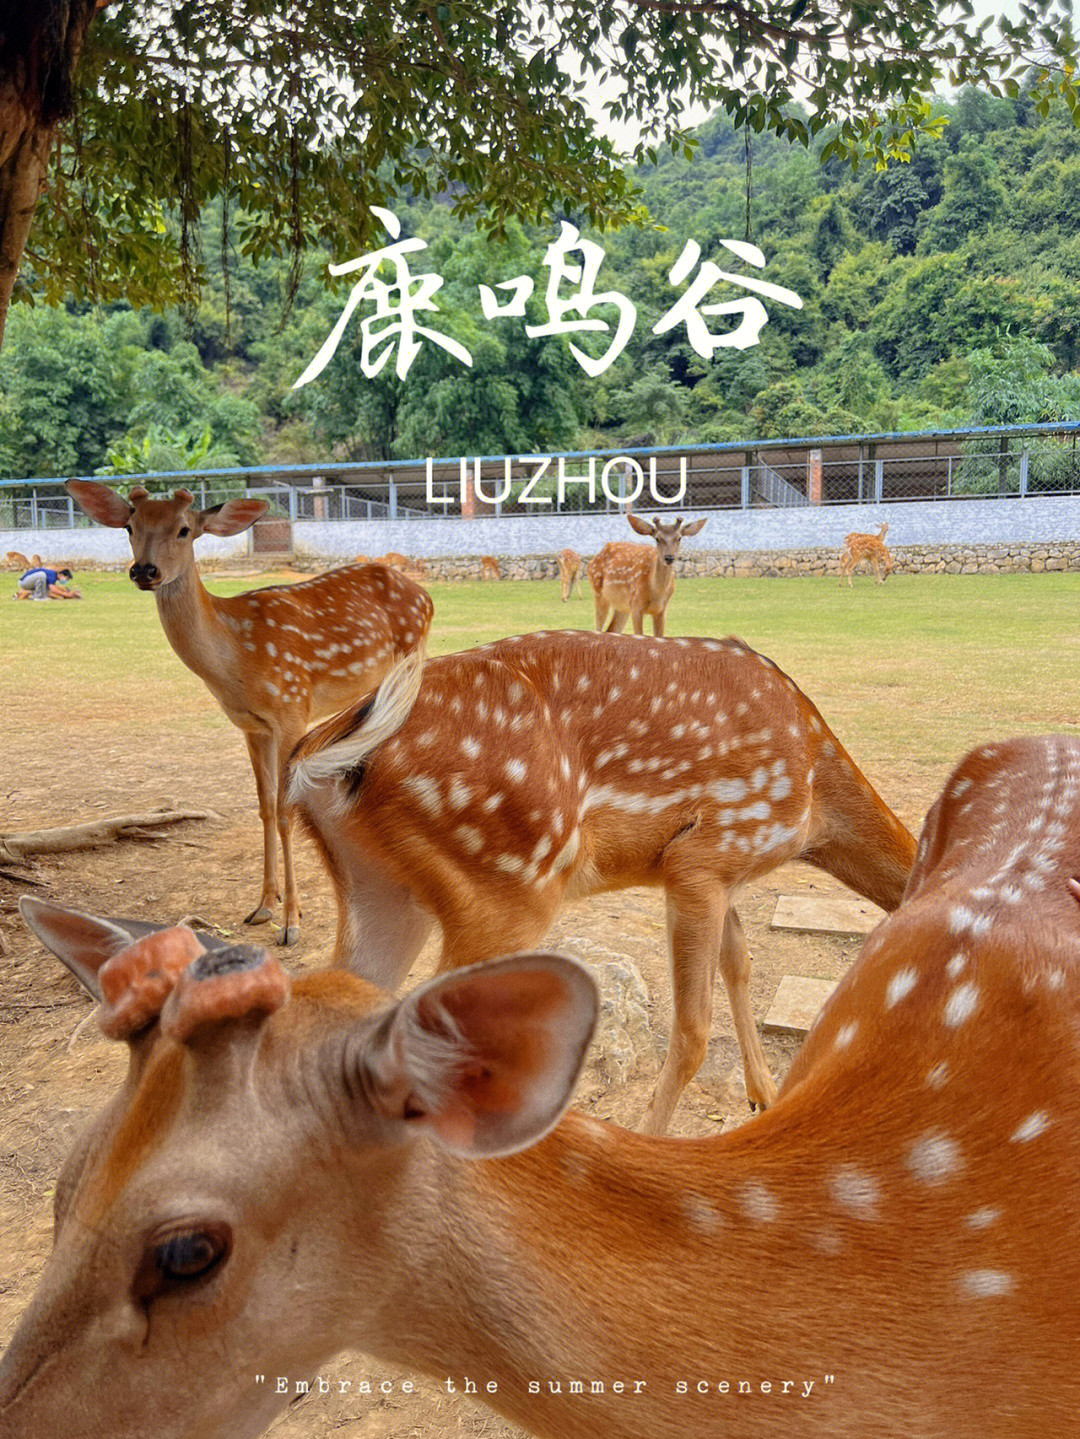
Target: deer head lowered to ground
[274, 659]
[894, 1248]
[507, 780]
[569, 562]
[631, 581]
[858, 548]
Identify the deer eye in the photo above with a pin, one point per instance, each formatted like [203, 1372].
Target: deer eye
[184, 532]
[128, 528]
[183, 1259]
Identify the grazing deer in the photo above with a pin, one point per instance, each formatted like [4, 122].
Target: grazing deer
[894, 1248]
[17, 561]
[489, 568]
[638, 580]
[274, 659]
[549, 767]
[858, 548]
[570, 573]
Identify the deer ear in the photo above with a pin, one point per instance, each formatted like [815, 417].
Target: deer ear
[230, 518]
[486, 1058]
[641, 527]
[83, 942]
[694, 528]
[100, 503]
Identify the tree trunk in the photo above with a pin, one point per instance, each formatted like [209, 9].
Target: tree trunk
[39, 49]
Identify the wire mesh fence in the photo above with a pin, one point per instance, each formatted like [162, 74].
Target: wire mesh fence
[964, 464]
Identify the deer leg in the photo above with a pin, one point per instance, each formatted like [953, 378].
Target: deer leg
[264, 763]
[735, 967]
[618, 622]
[381, 928]
[695, 920]
[290, 932]
[488, 929]
[602, 611]
[657, 625]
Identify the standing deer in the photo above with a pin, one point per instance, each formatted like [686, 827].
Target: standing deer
[16, 560]
[570, 573]
[894, 1248]
[489, 568]
[858, 548]
[638, 580]
[274, 659]
[549, 767]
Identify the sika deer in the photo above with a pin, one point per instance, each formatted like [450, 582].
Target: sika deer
[637, 580]
[549, 767]
[858, 548]
[893, 1249]
[570, 573]
[274, 659]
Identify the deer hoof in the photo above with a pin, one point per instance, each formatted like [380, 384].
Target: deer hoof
[290, 934]
[263, 915]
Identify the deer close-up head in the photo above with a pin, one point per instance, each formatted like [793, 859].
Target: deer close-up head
[195, 1232]
[668, 537]
[162, 530]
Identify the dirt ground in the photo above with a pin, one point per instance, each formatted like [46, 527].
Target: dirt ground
[55, 1070]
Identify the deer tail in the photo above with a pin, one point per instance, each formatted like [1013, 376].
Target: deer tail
[341, 745]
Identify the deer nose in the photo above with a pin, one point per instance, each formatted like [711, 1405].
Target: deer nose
[669, 559]
[143, 574]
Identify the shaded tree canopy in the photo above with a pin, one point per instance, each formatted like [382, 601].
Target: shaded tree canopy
[300, 117]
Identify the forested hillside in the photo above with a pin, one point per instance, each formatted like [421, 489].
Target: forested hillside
[935, 294]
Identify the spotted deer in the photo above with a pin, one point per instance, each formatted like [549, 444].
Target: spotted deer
[489, 568]
[631, 581]
[893, 1248]
[517, 776]
[275, 659]
[570, 573]
[859, 548]
[16, 560]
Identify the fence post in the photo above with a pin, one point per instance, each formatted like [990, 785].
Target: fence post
[1024, 472]
[744, 485]
[294, 507]
[71, 513]
[813, 477]
[33, 510]
[392, 494]
[879, 481]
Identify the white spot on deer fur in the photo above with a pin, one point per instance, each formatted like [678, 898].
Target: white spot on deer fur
[983, 1218]
[961, 1005]
[1055, 979]
[470, 837]
[271, 688]
[933, 1158]
[901, 985]
[985, 1283]
[426, 791]
[515, 693]
[510, 863]
[492, 803]
[568, 853]
[701, 1214]
[856, 1191]
[955, 966]
[846, 1034]
[962, 919]
[515, 770]
[757, 1203]
[459, 794]
[425, 740]
[961, 787]
[1032, 1127]
[472, 747]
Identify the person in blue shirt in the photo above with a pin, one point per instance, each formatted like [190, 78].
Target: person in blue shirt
[42, 583]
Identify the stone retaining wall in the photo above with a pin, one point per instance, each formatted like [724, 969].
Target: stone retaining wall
[907, 559]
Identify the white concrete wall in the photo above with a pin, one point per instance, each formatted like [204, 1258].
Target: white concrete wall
[1037, 518]
[1041, 518]
[101, 546]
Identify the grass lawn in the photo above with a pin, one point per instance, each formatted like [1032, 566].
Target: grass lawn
[913, 672]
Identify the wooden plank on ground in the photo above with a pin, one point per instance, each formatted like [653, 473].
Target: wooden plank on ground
[826, 914]
[797, 1002]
